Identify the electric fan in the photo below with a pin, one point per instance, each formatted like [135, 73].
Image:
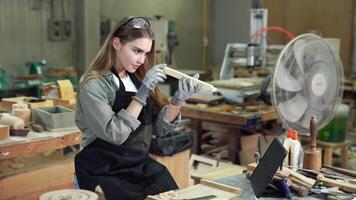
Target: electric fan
[307, 81]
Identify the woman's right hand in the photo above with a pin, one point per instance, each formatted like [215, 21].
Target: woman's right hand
[154, 76]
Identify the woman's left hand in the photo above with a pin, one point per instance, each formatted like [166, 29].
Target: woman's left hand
[186, 89]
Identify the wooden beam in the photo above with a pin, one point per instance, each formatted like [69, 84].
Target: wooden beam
[18, 149]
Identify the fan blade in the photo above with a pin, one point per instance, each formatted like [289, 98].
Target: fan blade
[293, 109]
[298, 49]
[286, 81]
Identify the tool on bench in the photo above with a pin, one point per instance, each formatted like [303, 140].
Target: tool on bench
[347, 187]
[312, 156]
[332, 191]
[347, 172]
[327, 174]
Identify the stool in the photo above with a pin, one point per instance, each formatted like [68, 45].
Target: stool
[328, 148]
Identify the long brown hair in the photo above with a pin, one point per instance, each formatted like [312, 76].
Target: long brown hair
[104, 60]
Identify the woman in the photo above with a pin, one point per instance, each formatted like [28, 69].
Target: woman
[119, 108]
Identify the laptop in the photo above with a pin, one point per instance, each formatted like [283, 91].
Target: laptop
[267, 167]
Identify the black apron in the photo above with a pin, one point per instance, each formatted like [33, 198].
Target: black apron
[122, 171]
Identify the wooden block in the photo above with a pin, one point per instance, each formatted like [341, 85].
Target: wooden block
[66, 90]
[177, 165]
[4, 132]
[68, 103]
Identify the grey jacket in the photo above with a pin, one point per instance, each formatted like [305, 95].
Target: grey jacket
[96, 119]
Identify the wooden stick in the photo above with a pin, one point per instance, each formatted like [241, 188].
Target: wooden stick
[178, 75]
[347, 187]
[342, 171]
[221, 186]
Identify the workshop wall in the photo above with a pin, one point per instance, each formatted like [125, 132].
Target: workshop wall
[186, 13]
[329, 17]
[24, 34]
[231, 22]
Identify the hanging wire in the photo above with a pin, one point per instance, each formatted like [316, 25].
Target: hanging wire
[259, 32]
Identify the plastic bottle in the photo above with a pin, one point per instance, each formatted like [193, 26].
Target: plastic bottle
[287, 145]
[295, 148]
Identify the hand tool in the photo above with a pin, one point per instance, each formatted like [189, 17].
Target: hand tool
[347, 187]
[332, 191]
[312, 156]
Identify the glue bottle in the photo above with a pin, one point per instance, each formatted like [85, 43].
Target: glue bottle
[295, 151]
[287, 145]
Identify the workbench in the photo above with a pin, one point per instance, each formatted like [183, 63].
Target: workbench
[30, 183]
[38, 142]
[32, 180]
[227, 115]
[230, 175]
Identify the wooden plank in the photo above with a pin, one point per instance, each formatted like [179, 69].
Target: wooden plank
[201, 190]
[18, 149]
[213, 116]
[31, 184]
[347, 187]
[222, 113]
[198, 191]
[221, 186]
[66, 90]
[218, 172]
[178, 75]
[268, 116]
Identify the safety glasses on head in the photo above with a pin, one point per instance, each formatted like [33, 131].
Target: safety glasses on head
[137, 22]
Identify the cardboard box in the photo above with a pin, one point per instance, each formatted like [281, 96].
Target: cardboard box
[265, 141]
[249, 141]
[247, 156]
